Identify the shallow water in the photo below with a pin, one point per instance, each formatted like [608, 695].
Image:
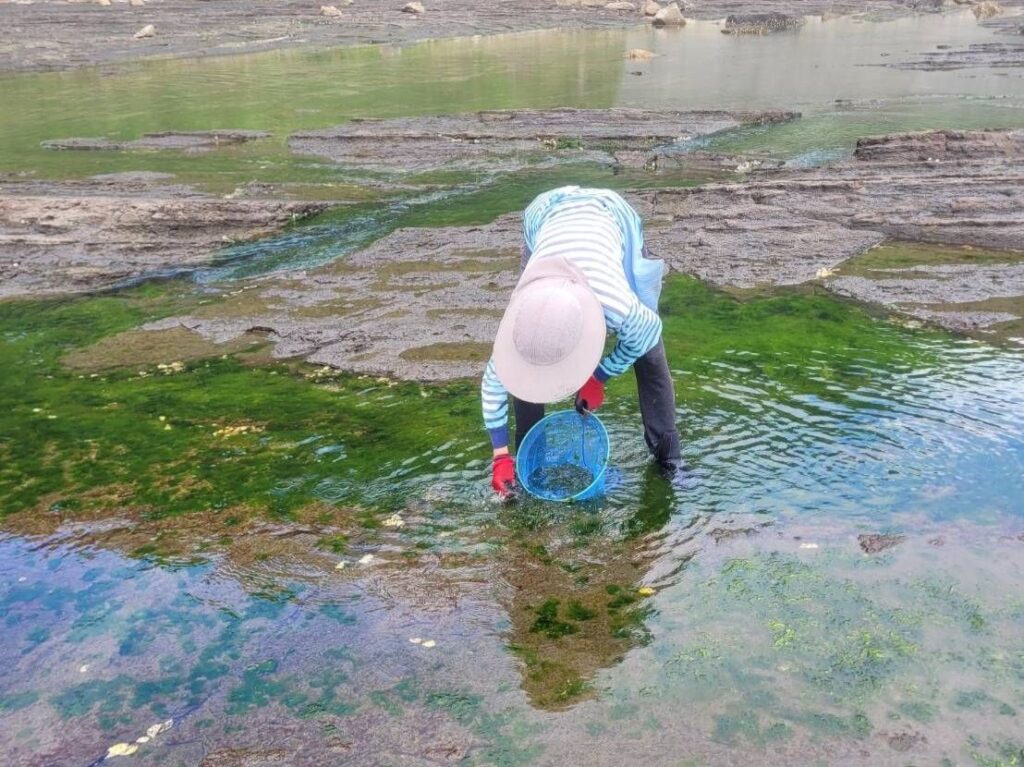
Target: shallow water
[291, 565]
[697, 68]
[731, 617]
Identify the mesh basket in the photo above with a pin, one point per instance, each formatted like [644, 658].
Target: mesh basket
[563, 457]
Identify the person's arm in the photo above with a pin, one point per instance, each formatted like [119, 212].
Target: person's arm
[494, 399]
[639, 332]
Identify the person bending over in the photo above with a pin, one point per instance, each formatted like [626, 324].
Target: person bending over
[585, 272]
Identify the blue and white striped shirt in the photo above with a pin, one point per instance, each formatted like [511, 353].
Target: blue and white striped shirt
[584, 232]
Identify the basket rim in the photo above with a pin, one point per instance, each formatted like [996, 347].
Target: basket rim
[597, 477]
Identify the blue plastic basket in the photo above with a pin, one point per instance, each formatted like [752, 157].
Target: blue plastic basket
[564, 457]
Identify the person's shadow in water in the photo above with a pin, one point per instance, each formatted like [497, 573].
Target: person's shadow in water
[577, 601]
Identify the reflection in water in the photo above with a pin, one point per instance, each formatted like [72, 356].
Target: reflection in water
[700, 68]
[288, 91]
[575, 591]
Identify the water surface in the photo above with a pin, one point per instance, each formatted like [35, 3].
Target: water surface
[224, 560]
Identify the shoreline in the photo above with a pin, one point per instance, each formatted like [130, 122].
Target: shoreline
[62, 35]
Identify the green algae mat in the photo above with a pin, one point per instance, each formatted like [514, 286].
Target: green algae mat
[230, 553]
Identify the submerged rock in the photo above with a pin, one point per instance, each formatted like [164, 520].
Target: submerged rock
[986, 9]
[505, 140]
[639, 54]
[942, 146]
[669, 16]
[760, 23]
[80, 236]
[1000, 55]
[190, 141]
[876, 542]
[414, 7]
[929, 5]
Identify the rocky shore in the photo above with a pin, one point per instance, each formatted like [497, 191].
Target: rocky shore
[507, 140]
[423, 303]
[63, 34]
[57, 238]
[75, 236]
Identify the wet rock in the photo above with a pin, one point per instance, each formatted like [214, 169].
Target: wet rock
[986, 9]
[504, 140]
[147, 31]
[760, 23]
[76, 236]
[781, 227]
[621, 6]
[651, 8]
[592, 3]
[904, 741]
[639, 54]
[941, 146]
[81, 144]
[133, 176]
[330, 10]
[190, 141]
[414, 7]
[721, 534]
[929, 5]
[669, 16]
[877, 542]
[136, 3]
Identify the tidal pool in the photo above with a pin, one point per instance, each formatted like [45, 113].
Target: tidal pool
[291, 564]
[219, 559]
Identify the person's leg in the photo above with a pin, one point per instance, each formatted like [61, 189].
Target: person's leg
[658, 407]
[527, 414]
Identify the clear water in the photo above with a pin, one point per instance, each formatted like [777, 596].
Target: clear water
[697, 68]
[732, 619]
[733, 616]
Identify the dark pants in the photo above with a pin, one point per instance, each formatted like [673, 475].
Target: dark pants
[657, 407]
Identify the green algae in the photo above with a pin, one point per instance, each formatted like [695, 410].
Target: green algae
[19, 700]
[457, 351]
[507, 739]
[892, 256]
[156, 436]
[549, 624]
[832, 133]
[512, 192]
[845, 645]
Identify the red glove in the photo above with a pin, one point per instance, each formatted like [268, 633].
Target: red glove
[591, 396]
[503, 475]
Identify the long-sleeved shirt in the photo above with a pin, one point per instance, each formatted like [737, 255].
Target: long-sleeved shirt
[583, 232]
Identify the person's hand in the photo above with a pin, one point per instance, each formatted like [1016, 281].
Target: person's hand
[503, 476]
[590, 397]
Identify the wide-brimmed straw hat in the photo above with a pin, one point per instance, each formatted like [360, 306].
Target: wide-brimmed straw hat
[552, 335]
